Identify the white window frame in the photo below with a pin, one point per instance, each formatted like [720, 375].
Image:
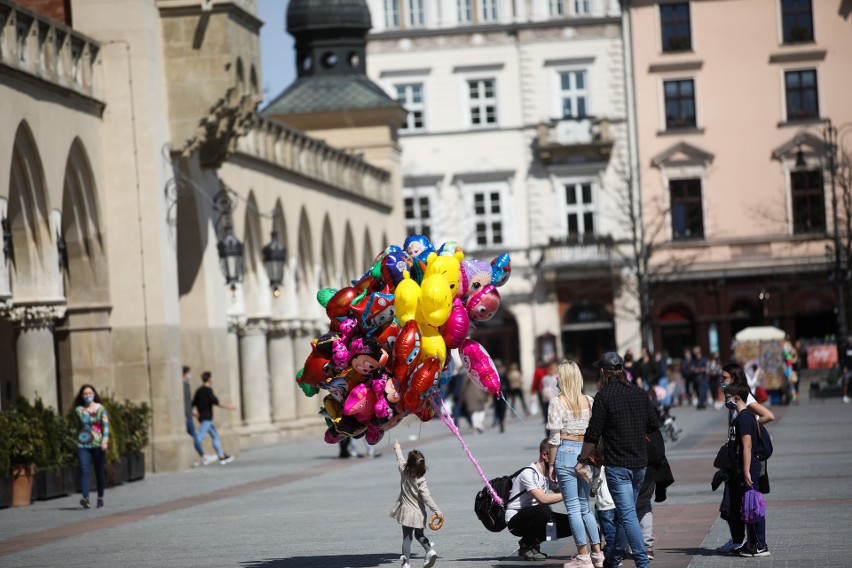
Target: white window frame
[556, 8]
[412, 106]
[489, 10]
[416, 13]
[483, 103]
[488, 189]
[580, 208]
[418, 192]
[390, 9]
[464, 11]
[582, 7]
[574, 94]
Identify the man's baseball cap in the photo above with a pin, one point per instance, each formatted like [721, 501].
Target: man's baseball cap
[611, 361]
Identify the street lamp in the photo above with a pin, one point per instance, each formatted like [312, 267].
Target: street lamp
[274, 257]
[829, 138]
[231, 257]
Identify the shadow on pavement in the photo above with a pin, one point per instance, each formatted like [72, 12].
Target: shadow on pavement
[343, 560]
[692, 551]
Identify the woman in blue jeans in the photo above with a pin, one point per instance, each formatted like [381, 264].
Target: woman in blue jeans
[567, 418]
[92, 440]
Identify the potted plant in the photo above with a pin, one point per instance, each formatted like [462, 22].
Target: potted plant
[115, 467]
[48, 482]
[137, 418]
[27, 444]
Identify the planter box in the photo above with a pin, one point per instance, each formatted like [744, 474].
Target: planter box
[22, 486]
[5, 492]
[69, 475]
[47, 484]
[116, 473]
[136, 467]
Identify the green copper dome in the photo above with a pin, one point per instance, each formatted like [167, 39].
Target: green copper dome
[308, 15]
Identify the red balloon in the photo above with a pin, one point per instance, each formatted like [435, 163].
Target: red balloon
[316, 367]
[337, 308]
[406, 351]
[426, 413]
[424, 381]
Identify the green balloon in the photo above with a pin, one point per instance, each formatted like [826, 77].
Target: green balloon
[324, 295]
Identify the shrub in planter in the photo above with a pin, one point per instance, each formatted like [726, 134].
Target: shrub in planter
[137, 420]
[26, 446]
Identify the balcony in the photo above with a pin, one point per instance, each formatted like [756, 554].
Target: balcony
[292, 150]
[569, 140]
[576, 251]
[41, 48]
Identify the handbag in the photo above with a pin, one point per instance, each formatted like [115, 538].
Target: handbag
[723, 460]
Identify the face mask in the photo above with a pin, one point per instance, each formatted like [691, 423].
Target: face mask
[731, 404]
[724, 385]
[88, 399]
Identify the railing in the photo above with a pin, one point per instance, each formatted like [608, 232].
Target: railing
[295, 151]
[41, 47]
[562, 139]
[575, 251]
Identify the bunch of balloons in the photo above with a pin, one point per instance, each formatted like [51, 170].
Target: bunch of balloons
[390, 334]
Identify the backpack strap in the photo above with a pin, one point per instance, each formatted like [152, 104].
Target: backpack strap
[514, 476]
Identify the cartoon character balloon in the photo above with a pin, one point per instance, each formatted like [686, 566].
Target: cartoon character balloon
[479, 366]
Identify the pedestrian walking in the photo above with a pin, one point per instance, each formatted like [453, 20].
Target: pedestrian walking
[516, 388]
[699, 372]
[186, 379]
[622, 416]
[203, 402]
[92, 441]
[742, 453]
[410, 507]
[658, 476]
[474, 400]
[568, 417]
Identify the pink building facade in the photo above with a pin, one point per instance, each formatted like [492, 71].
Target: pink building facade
[729, 93]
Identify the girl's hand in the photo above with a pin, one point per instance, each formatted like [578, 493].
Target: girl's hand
[747, 476]
[104, 444]
[396, 445]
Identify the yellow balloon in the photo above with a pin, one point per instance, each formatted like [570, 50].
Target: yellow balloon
[432, 344]
[406, 298]
[436, 300]
[449, 267]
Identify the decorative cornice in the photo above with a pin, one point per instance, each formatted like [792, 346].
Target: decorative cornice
[253, 326]
[33, 316]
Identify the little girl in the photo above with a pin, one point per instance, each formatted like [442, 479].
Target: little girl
[410, 507]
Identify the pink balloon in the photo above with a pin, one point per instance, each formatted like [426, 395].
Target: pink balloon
[479, 366]
[360, 403]
[484, 304]
[457, 326]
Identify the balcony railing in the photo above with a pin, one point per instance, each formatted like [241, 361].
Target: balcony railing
[565, 140]
[297, 152]
[40, 47]
[577, 251]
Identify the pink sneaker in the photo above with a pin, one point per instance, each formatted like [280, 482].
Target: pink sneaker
[579, 561]
[597, 559]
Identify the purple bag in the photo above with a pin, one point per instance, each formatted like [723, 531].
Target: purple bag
[754, 506]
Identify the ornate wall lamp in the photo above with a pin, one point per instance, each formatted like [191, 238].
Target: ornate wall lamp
[274, 258]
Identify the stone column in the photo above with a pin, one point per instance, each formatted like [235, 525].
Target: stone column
[35, 352]
[282, 371]
[254, 372]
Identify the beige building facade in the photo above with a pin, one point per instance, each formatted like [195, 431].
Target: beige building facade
[134, 149]
[727, 95]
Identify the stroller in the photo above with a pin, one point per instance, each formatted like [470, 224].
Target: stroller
[668, 427]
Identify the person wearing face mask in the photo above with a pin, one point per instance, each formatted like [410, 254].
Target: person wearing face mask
[92, 440]
[733, 373]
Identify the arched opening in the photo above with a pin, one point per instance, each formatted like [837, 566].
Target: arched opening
[328, 276]
[499, 336]
[677, 330]
[255, 280]
[368, 254]
[350, 270]
[305, 281]
[587, 331]
[744, 314]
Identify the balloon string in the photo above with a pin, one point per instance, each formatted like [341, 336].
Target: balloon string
[515, 412]
[442, 414]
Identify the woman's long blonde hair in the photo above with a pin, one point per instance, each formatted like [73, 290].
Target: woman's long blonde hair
[570, 381]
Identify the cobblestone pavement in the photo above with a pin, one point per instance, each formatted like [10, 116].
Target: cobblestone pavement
[296, 505]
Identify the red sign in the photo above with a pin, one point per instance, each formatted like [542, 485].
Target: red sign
[822, 356]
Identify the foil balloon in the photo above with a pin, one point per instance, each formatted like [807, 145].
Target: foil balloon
[433, 344]
[394, 266]
[406, 351]
[417, 245]
[424, 381]
[479, 366]
[360, 403]
[324, 295]
[457, 327]
[337, 307]
[378, 310]
[484, 304]
[374, 434]
[449, 248]
[387, 335]
[317, 369]
[406, 299]
[436, 299]
[501, 269]
[447, 266]
[477, 275]
[382, 407]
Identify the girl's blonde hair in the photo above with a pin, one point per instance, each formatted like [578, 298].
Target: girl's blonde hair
[570, 381]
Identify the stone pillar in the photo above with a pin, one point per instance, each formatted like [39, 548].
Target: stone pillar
[282, 371]
[254, 373]
[35, 352]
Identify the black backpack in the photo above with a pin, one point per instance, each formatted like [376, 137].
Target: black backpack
[764, 443]
[490, 513]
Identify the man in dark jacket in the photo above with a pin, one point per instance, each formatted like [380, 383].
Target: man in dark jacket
[622, 416]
